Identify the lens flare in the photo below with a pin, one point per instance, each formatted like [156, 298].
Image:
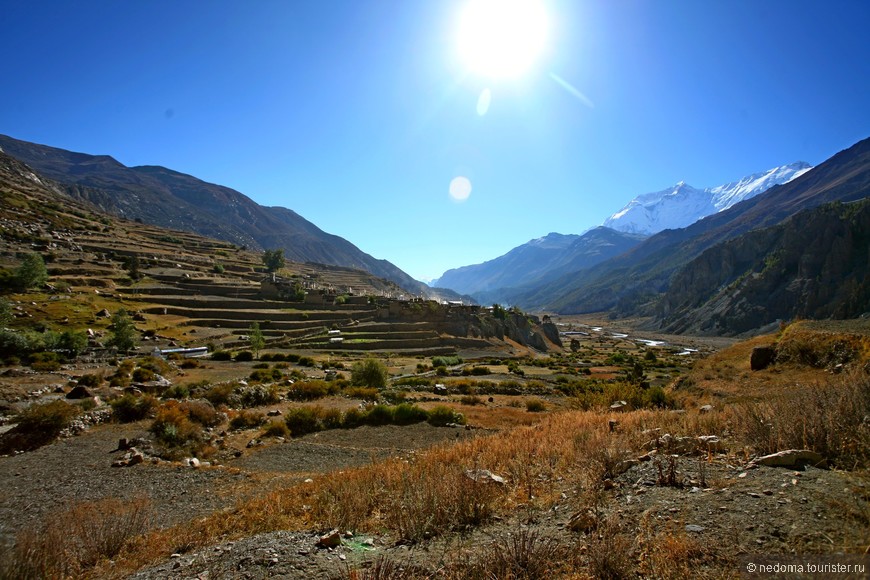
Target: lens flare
[460, 188]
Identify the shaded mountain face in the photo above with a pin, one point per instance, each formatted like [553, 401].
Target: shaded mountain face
[683, 205]
[816, 264]
[632, 283]
[537, 260]
[167, 198]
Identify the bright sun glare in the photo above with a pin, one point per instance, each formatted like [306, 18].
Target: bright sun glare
[502, 38]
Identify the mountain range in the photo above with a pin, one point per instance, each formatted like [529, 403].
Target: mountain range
[683, 205]
[543, 260]
[167, 198]
[798, 248]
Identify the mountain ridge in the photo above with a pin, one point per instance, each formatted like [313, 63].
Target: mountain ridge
[170, 198]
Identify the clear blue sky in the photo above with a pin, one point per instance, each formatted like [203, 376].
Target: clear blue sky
[357, 114]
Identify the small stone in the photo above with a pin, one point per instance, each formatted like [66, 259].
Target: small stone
[695, 528]
[767, 492]
[342, 557]
[330, 540]
[753, 494]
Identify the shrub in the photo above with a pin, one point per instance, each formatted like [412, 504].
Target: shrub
[190, 363]
[220, 394]
[257, 396]
[90, 380]
[442, 415]
[177, 392]
[656, 397]
[173, 427]
[202, 412]
[131, 408]
[379, 415]
[248, 420]
[369, 373]
[44, 362]
[407, 414]
[39, 425]
[31, 273]
[265, 375]
[310, 390]
[142, 375]
[471, 400]
[364, 393]
[244, 356]
[276, 428]
[330, 418]
[353, 418]
[302, 420]
[445, 361]
[305, 361]
[479, 371]
[65, 544]
[535, 405]
[221, 355]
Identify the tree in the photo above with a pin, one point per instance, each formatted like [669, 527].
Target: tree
[123, 335]
[31, 273]
[256, 339]
[5, 312]
[369, 373]
[131, 264]
[273, 259]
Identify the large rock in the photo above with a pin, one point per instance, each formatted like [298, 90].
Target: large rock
[792, 458]
[79, 392]
[762, 357]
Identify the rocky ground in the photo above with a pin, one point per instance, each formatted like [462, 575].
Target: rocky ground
[742, 511]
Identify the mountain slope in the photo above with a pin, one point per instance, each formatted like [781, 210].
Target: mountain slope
[630, 281]
[537, 260]
[683, 205]
[171, 199]
[816, 264]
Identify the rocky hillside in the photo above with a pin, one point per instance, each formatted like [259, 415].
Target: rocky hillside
[167, 198]
[814, 265]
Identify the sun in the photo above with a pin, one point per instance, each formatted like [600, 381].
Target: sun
[502, 39]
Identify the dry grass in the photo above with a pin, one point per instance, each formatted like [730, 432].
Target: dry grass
[71, 542]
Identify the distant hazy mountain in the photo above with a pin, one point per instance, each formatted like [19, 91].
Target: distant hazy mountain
[167, 198]
[683, 205]
[553, 254]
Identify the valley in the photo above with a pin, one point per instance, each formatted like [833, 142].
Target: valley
[334, 424]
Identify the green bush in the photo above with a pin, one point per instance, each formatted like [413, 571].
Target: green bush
[90, 380]
[353, 418]
[179, 392]
[42, 423]
[443, 415]
[407, 414]
[45, 362]
[132, 408]
[142, 375]
[244, 356]
[265, 375]
[221, 355]
[379, 415]
[302, 420]
[369, 373]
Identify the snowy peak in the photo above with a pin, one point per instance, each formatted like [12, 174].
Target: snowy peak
[682, 205]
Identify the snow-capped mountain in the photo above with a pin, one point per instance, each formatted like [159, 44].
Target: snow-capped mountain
[683, 205]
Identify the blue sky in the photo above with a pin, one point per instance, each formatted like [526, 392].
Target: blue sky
[357, 114]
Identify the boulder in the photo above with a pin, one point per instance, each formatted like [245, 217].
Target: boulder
[330, 540]
[706, 409]
[762, 357]
[792, 458]
[79, 392]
